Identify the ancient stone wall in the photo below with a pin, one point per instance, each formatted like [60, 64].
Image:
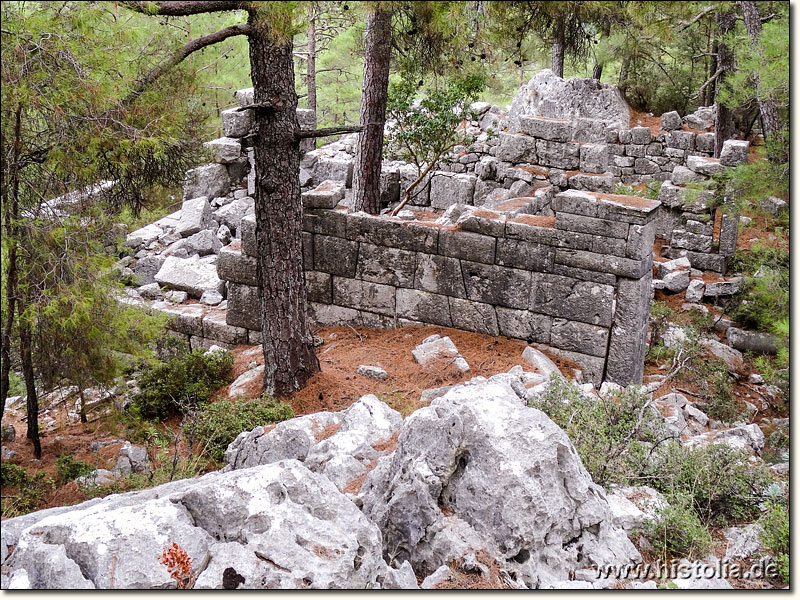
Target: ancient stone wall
[577, 282]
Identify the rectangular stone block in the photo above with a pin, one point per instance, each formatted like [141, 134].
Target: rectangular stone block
[247, 233]
[363, 295]
[524, 325]
[640, 241]
[335, 255]
[375, 321]
[244, 308]
[330, 314]
[609, 245]
[524, 255]
[635, 150]
[556, 154]
[592, 366]
[682, 140]
[466, 245]
[584, 275]
[215, 327]
[579, 337]
[628, 342]
[326, 222]
[423, 307]
[555, 130]
[616, 265]
[699, 260]
[570, 298]
[473, 316]
[517, 148]
[485, 225]
[237, 123]
[640, 135]
[439, 275]
[326, 195]
[449, 188]
[187, 319]
[319, 287]
[624, 161]
[594, 158]
[691, 241]
[390, 266]
[395, 234]
[496, 285]
[699, 227]
[235, 267]
[728, 233]
[591, 225]
[614, 207]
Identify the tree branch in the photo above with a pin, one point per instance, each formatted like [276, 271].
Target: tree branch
[182, 53]
[686, 24]
[707, 83]
[259, 105]
[326, 131]
[181, 9]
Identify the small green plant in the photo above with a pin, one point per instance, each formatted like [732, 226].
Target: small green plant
[31, 490]
[714, 386]
[219, 423]
[660, 316]
[182, 383]
[775, 536]
[68, 468]
[610, 433]
[650, 189]
[676, 530]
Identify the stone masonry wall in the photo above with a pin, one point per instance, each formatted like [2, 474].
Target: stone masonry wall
[578, 283]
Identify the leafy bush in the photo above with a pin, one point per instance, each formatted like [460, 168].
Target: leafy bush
[12, 475]
[182, 383]
[660, 316]
[607, 432]
[68, 468]
[219, 423]
[31, 490]
[714, 387]
[775, 537]
[676, 530]
[720, 481]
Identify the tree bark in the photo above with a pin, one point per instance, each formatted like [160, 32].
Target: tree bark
[597, 70]
[372, 116]
[311, 64]
[558, 48]
[623, 75]
[725, 126]
[30, 387]
[287, 341]
[770, 119]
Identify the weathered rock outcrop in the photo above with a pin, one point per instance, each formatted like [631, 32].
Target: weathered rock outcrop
[478, 469]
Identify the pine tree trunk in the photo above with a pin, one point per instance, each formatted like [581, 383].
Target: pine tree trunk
[597, 71]
[287, 341]
[30, 388]
[770, 120]
[711, 90]
[372, 116]
[558, 48]
[725, 127]
[311, 64]
[623, 75]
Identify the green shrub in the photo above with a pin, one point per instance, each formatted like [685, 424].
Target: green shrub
[775, 537]
[676, 530]
[219, 423]
[182, 383]
[12, 475]
[660, 316]
[719, 480]
[714, 387]
[69, 468]
[31, 490]
[607, 432]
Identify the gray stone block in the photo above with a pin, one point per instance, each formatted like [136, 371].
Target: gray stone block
[579, 337]
[556, 130]
[466, 245]
[224, 150]
[439, 275]
[635, 150]
[423, 307]
[584, 275]
[497, 285]
[671, 120]
[682, 140]
[233, 266]
[390, 266]
[624, 161]
[524, 255]
[590, 130]
[517, 148]
[704, 142]
[237, 123]
[326, 195]
[569, 298]
[628, 341]
[362, 227]
[195, 216]
[728, 233]
[640, 240]
[674, 196]
[231, 214]
[630, 209]
[591, 225]
[609, 245]
[625, 136]
[326, 222]
[524, 325]
[699, 227]
[592, 183]
[448, 189]
[333, 169]
[616, 150]
[557, 154]
[244, 307]
[183, 318]
[734, 152]
[216, 328]
[691, 241]
[616, 265]
[319, 287]
[699, 260]
[334, 255]
[473, 316]
[645, 166]
[330, 314]
[655, 149]
[244, 96]
[681, 176]
[594, 158]
[591, 366]
[640, 135]
[147, 267]
[363, 295]
[704, 165]
[751, 341]
[210, 181]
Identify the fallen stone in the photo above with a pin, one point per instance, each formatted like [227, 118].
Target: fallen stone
[195, 216]
[732, 358]
[211, 298]
[151, 291]
[543, 365]
[439, 352]
[723, 288]
[243, 384]
[210, 181]
[203, 243]
[743, 542]
[326, 195]
[9, 434]
[771, 204]
[143, 236]
[671, 120]
[96, 478]
[189, 275]
[9, 454]
[442, 575]
[177, 297]
[231, 214]
[751, 341]
[224, 150]
[695, 290]
[734, 152]
[371, 372]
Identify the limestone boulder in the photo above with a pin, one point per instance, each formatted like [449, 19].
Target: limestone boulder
[210, 181]
[190, 275]
[479, 469]
[439, 352]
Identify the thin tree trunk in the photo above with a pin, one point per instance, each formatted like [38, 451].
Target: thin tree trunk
[287, 341]
[597, 71]
[558, 48]
[725, 127]
[770, 120]
[711, 90]
[372, 116]
[11, 203]
[311, 64]
[30, 387]
[623, 75]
